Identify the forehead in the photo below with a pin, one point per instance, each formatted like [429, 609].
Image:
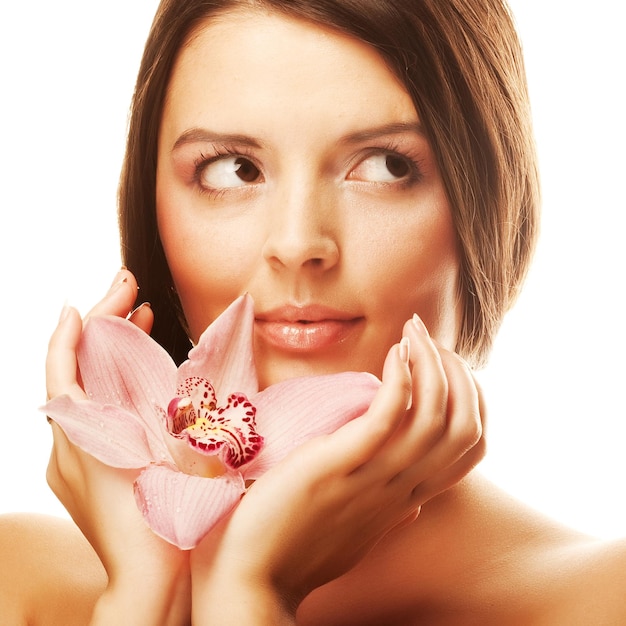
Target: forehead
[257, 60]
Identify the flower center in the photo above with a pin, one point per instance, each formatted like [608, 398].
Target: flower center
[227, 432]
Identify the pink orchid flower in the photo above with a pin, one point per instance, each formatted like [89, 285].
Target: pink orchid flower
[200, 431]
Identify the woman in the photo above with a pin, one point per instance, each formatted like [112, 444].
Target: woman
[348, 168]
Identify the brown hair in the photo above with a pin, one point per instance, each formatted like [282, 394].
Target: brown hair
[461, 62]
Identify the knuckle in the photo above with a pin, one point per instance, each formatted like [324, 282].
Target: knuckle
[472, 457]
[435, 404]
[406, 387]
[480, 449]
[467, 409]
[63, 467]
[467, 429]
[54, 475]
[472, 430]
[438, 389]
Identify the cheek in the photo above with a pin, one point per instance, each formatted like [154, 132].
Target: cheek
[416, 270]
[438, 278]
[418, 246]
[209, 261]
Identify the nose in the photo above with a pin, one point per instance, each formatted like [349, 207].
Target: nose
[302, 232]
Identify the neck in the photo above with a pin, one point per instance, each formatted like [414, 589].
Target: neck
[452, 559]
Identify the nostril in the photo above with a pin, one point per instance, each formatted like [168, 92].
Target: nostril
[300, 251]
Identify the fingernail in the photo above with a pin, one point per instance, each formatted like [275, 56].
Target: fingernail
[419, 325]
[64, 313]
[118, 281]
[121, 273]
[138, 308]
[405, 348]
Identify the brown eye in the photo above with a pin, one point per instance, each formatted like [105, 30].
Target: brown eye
[383, 168]
[229, 172]
[246, 170]
[397, 166]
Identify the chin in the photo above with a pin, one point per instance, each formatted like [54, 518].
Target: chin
[276, 372]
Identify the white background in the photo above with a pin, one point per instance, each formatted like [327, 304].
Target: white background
[556, 379]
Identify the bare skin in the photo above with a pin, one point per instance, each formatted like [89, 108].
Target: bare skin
[490, 561]
[384, 466]
[398, 528]
[473, 556]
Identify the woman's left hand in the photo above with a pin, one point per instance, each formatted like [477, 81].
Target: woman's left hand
[317, 513]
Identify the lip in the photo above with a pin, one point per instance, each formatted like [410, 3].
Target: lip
[305, 328]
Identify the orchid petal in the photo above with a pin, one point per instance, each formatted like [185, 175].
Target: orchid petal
[136, 393]
[107, 432]
[120, 364]
[296, 410]
[181, 508]
[224, 352]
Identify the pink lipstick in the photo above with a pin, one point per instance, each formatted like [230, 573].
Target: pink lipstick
[305, 328]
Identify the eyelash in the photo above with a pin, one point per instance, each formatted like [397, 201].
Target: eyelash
[393, 148]
[389, 149]
[200, 163]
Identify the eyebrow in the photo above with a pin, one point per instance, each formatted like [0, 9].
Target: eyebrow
[196, 135]
[395, 128]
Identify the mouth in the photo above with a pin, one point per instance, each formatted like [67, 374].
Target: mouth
[306, 329]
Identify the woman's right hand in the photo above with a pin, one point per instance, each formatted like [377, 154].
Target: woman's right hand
[319, 512]
[148, 577]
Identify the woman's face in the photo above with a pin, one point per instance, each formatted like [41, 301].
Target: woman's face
[292, 166]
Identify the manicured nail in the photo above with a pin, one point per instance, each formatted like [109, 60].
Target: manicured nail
[405, 348]
[117, 283]
[143, 305]
[64, 313]
[119, 276]
[419, 325]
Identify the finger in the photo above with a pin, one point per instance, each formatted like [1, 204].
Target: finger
[463, 466]
[355, 443]
[426, 421]
[62, 449]
[449, 477]
[482, 404]
[462, 446]
[120, 297]
[464, 423]
[143, 317]
[430, 385]
[61, 366]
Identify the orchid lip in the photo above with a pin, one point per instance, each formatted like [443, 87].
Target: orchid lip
[197, 452]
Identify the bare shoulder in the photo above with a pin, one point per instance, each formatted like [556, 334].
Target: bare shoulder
[477, 556]
[48, 572]
[593, 577]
